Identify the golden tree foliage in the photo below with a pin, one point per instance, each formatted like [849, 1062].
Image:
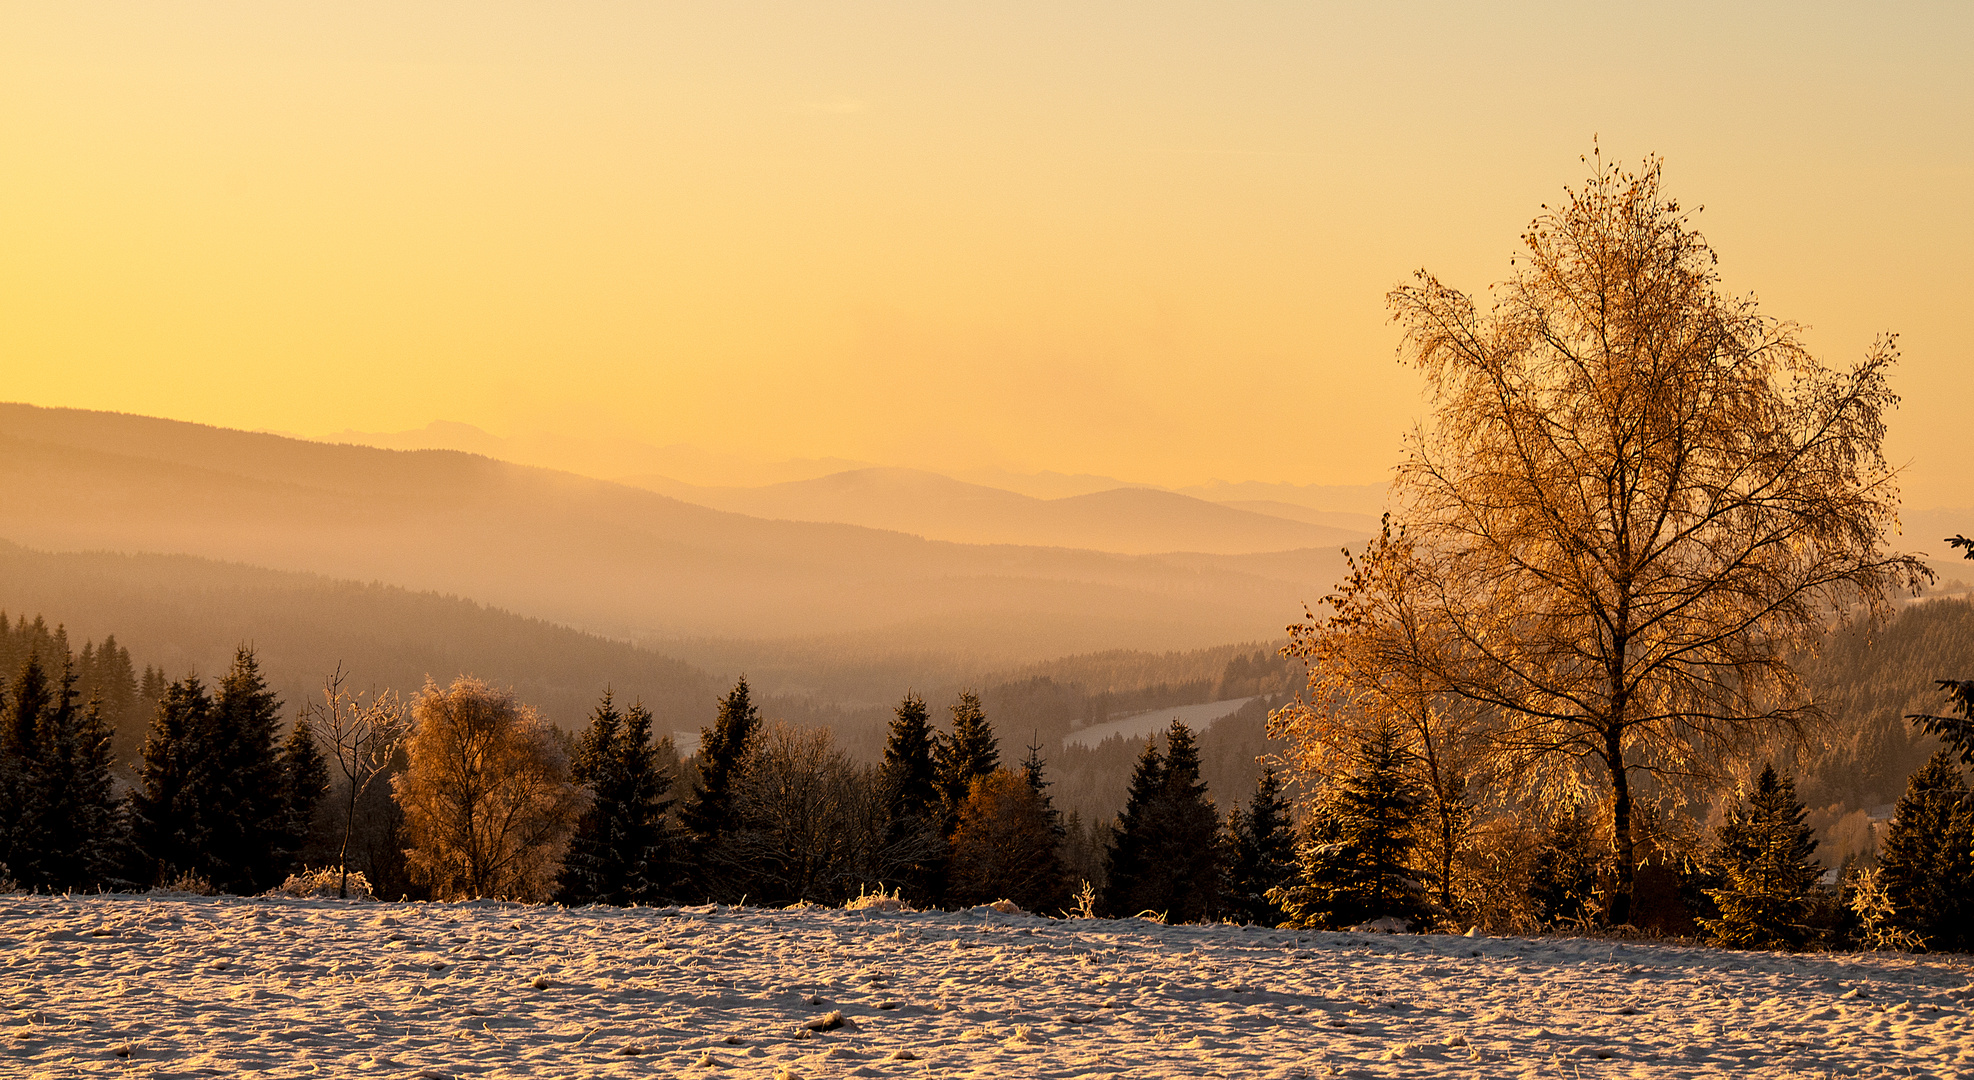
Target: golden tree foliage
[488, 802]
[1005, 846]
[1637, 496]
[1361, 660]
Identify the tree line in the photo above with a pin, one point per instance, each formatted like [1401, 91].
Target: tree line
[482, 797]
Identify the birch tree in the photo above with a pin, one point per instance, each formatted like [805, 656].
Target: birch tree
[1637, 496]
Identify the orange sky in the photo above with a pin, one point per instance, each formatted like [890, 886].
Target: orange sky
[1148, 240]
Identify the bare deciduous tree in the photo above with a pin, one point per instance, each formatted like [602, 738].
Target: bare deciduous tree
[1637, 496]
[487, 798]
[807, 815]
[363, 737]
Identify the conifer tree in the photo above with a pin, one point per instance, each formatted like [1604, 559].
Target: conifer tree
[1563, 882]
[163, 818]
[1926, 863]
[84, 826]
[1355, 858]
[623, 851]
[1032, 771]
[971, 751]
[1128, 860]
[708, 815]
[1006, 847]
[1262, 848]
[234, 787]
[23, 807]
[1166, 857]
[1762, 856]
[304, 782]
[914, 849]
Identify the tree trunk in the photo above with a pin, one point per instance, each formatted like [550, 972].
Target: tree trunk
[1620, 910]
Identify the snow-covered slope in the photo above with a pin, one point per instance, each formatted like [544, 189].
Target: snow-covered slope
[185, 986]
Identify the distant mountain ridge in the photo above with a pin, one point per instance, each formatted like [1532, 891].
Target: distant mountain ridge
[1127, 520]
[604, 557]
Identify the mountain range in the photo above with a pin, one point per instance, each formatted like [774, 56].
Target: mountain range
[622, 561]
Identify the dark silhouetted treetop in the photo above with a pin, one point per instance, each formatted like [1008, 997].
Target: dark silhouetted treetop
[968, 753]
[1926, 861]
[1262, 847]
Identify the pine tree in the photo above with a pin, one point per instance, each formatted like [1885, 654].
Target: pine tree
[1355, 856]
[1262, 847]
[1167, 857]
[914, 850]
[623, 851]
[1128, 862]
[23, 802]
[1563, 883]
[84, 825]
[304, 783]
[165, 826]
[1762, 856]
[708, 814]
[1926, 862]
[234, 787]
[970, 752]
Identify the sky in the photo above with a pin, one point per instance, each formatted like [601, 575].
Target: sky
[1149, 240]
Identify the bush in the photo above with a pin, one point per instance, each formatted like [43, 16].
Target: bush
[323, 884]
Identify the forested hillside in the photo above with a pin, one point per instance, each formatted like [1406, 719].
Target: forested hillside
[183, 614]
[1868, 681]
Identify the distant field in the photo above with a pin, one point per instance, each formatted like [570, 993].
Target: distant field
[166, 987]
[1197, 717]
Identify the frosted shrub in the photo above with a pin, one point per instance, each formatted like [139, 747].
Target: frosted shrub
[876, 901]
[189, 883]
[323, 883]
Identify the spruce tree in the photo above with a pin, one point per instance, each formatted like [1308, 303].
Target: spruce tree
[1926, 863]
[304, 784]
[234, 786]
[1563, 883]
[85, 823]
[1032, 771]
[1355, 858]
[1262, 847]
[708, 814]
[1128, 861]
[23, 801]
[1167, 857]
[914, 850]
[165, 826]
[1762, 858]
[968, 753]
[623, 850]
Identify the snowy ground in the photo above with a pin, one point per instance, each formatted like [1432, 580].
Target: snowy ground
[202, 987]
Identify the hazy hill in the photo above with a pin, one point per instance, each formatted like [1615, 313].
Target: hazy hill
[601, 458]
[187, 615]
[607, 557]
[1132, 520]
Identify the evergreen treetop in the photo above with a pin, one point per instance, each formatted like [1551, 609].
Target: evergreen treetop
[912, 783]
[971, 751]
[1355, 858]
[1926, 863]
[1762, 855]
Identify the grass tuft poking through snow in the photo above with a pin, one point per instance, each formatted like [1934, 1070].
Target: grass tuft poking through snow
[185, 985]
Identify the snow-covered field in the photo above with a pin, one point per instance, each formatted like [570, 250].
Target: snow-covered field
[160, 986]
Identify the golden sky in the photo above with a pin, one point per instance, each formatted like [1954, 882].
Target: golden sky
[1143, 239]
